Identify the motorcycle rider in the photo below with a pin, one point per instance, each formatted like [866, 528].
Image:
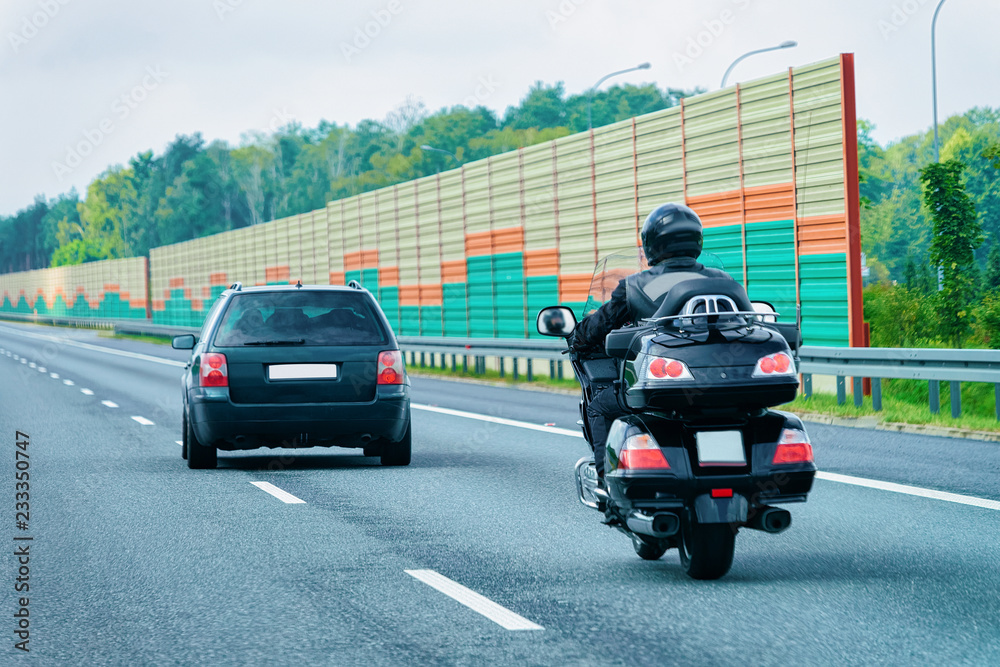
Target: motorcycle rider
[554, 322]
[672, 241]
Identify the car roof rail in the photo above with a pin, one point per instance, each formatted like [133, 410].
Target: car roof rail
[355, 284]
[236, 286]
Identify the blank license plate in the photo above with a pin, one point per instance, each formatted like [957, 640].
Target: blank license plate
[720, 448]
[302, 372]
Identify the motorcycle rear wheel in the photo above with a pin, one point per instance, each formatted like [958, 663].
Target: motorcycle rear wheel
[706, 549]
[648, 551]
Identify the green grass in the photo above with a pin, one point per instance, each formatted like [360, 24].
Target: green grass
[145, 338]
[907, 401]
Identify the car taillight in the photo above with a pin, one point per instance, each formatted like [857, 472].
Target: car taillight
[390, 367]
[641, 452]
[793, 447]
[774, 364]
[214, 371]
[661, 368]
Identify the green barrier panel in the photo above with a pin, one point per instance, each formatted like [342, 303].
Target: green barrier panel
[824, 299]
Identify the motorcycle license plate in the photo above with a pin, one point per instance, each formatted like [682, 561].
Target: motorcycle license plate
[720, 448]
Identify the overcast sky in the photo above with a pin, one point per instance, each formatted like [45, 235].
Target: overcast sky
[121, 77]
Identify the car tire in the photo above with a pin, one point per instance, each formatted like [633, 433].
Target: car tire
[184, 435]
[397, 453]
[199, 456]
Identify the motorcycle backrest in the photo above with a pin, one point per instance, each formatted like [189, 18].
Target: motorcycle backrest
[683, 292]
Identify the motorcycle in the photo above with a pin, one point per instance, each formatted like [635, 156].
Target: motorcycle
[700, 454]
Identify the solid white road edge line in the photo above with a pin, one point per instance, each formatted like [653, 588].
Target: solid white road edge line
[498, 420]
[95, 348]
[280, 494]
[828, 476]
[474, 601]
[110, 404]
[910, 490]
[143, 421]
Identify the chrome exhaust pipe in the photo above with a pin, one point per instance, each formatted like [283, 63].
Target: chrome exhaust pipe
[660, 525]
[771, 520]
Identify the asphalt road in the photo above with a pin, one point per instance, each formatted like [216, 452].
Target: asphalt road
[137, 560]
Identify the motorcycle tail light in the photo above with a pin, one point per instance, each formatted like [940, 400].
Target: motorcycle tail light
[793, 447]
[774, 364]
[641, 452]
[662, 368]
[390, 367]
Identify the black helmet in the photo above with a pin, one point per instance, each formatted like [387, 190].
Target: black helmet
[671, 230]
[554, 321]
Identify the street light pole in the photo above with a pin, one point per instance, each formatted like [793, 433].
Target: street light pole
[425, 147]
[937, 154]
[590, 92]
[784, 45]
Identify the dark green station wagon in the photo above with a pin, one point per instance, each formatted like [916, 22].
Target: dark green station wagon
[295, 366]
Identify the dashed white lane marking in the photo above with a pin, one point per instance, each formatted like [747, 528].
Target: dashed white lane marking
[142, 420]
[86, 392]
[42, 369]
[32, 365]
[68, 383]
[96, 348]
[474, 601]
[23, 360]
[280, 494]
[54, 376]
[828, 476]
[110, 404]
[498, 420]
[910, 490]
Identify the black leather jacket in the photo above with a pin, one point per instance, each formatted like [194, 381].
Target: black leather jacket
[635, 298]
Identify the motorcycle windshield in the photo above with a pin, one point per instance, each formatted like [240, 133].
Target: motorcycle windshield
[616, 266]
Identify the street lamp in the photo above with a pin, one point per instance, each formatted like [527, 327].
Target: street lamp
[937, 156]
[590, 93]
[784, 45]
[425, 147]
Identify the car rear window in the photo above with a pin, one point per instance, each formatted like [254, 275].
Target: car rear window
[302, 317]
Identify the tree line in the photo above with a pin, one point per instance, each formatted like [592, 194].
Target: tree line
[196, 188]
[949, 292]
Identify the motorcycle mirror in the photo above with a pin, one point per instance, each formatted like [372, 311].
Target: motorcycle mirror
[556, 321]
[765, 309]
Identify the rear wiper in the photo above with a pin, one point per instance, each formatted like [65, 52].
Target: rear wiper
[297, 341]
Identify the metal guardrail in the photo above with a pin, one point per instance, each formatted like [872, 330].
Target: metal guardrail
[874, 364]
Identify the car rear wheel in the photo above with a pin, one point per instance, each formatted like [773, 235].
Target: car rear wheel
[397, 453]
[199, 457]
